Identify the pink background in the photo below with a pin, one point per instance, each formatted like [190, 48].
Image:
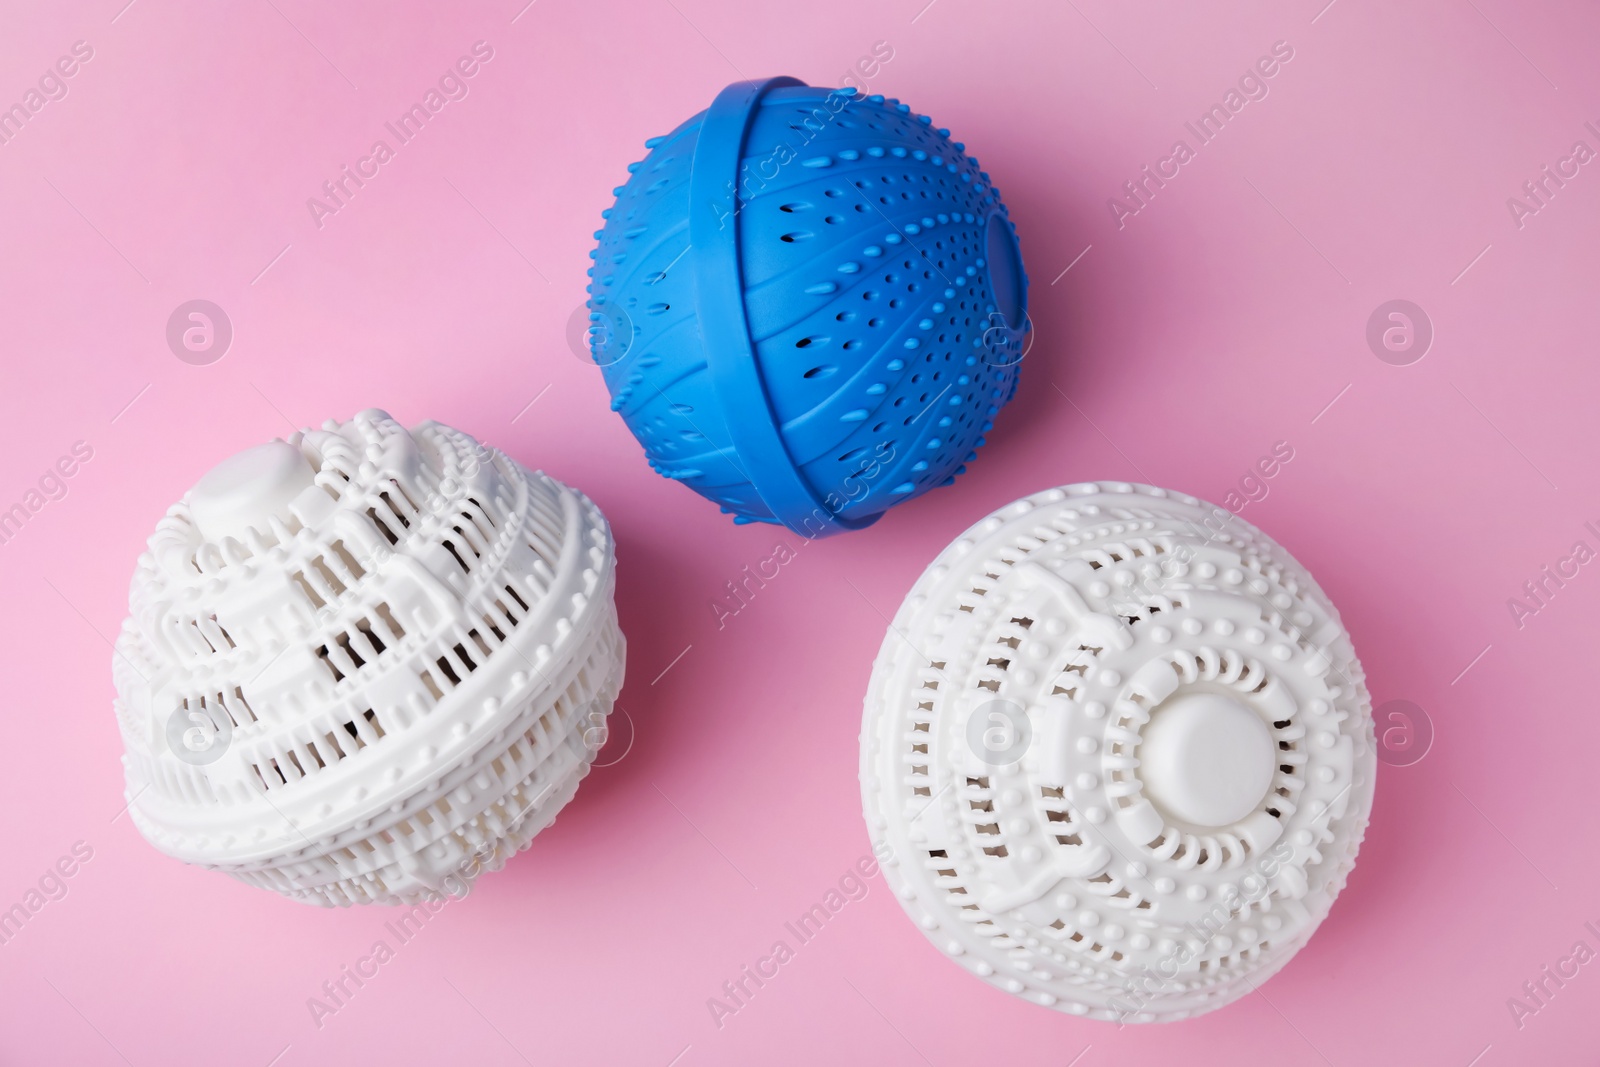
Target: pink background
[1223, 318]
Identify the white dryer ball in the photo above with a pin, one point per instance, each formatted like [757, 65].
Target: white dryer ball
[364, 665]
[1117, 754]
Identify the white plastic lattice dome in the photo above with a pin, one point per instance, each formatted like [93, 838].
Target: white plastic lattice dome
[365, 664]
[1117, 753]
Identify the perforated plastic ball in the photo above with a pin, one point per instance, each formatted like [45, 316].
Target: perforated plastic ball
[365, 665]
[809, 305]
[1117, 756]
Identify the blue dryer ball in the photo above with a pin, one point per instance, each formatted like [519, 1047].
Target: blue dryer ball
[808, 305]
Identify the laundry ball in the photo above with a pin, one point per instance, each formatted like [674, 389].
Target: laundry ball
[808, 305]
[1117, 754]
[365, 665]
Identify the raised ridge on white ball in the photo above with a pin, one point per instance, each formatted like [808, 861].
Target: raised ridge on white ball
[364, 664]
[1117, 753]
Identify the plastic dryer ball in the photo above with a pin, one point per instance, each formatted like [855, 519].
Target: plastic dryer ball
[795, 281]
[1187, 769]
[365, 664]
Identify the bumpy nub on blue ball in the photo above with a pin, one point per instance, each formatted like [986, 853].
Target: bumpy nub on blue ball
[808, 305]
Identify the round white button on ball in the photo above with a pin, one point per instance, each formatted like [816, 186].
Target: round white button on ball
[248, 488]
[1206, 759]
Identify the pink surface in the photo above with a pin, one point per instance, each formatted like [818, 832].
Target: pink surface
[1227, 315]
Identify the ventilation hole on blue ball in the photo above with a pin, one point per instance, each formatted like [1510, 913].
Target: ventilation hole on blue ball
[852, 345]
[807, 342]
[852, 454]
[656, 309]
[681, 409]
[798, 235]
[874, 322]
[798, 205]
[820, 372]
[845, 316]
[832, 220]
[879, 427]
[833, 192]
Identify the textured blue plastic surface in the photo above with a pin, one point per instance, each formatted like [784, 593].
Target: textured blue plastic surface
[808, 305]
